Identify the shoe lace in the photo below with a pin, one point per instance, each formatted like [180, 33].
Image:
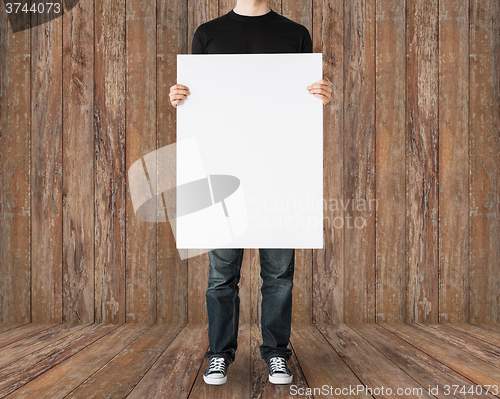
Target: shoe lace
[278, 364]
[217, 364]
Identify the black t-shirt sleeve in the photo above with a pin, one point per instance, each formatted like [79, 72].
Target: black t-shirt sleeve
[198, 45]
[307, 45]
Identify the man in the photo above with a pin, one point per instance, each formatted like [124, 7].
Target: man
[250, 28]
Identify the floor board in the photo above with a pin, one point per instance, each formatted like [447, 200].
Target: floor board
[167, 361]
[424, 369]
[477, 370]
[62, 378]
[374, 370]
[120, 375]
[10, 336]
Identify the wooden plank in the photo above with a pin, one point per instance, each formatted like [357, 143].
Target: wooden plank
[472, 368]
[359, 161]
[423, 368]
[328, 263]
[369, 365]
[239, 373]
[478, 331]
[15, 207]
[422, 161]
[390, 161]
[26, 369]
[16, 334]
[301, 12]
[225, 6]
[454, 161]
[482, 350]
[46, 169]
[63, 377]
[198, 12]
[110, 173]
[261, 386]
[320, 363]
[19, 348]
[302, 286]
[495, 327]
[174, 373]
[78, 161]
[141, 140]
[484, 161]
[118, 377]
[172, 284]
[10, 326]
[275, 5]
[256, 284]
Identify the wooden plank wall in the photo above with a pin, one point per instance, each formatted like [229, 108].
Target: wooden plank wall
[411, 164]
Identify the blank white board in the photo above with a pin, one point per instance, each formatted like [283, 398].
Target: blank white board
[251, 117]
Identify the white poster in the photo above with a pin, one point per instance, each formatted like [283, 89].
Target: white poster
[249, 152]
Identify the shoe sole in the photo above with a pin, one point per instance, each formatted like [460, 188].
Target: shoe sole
[280, 380]
[215, 381]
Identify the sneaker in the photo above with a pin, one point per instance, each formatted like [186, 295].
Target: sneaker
[279, 373]
[216, 373]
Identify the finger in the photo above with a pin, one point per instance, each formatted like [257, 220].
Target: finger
[179, 91]
[178, 97]
[322, 82]
[322, 98]
[326, 93]
[326, 86]
[175, 102]
[178, 86]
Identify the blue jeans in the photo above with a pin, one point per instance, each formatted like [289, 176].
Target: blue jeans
[223, 302]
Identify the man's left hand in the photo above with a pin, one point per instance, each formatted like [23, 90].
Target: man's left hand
[321, 89]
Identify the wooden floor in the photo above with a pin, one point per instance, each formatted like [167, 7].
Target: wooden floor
[164, 361]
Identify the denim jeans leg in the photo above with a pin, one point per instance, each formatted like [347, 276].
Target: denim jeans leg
[277, 269]
[223, 302]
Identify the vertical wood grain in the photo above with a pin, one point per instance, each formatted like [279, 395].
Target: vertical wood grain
[359, 161]
[15, 207]
[171, 292]
[46, 168]
[78, 165]
[328, 263]
[110, 172]
[484, 161]
[225, 6]
[390, 161]
[199, 12]
[454, 161]
[422, 161]
[252, 256]
[401, 69]
[275, 5]
[302, 13]
[141, 140]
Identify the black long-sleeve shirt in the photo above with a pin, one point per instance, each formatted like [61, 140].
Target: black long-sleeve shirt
[240, 34]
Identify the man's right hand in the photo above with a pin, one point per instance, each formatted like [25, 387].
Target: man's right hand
[178, 93]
